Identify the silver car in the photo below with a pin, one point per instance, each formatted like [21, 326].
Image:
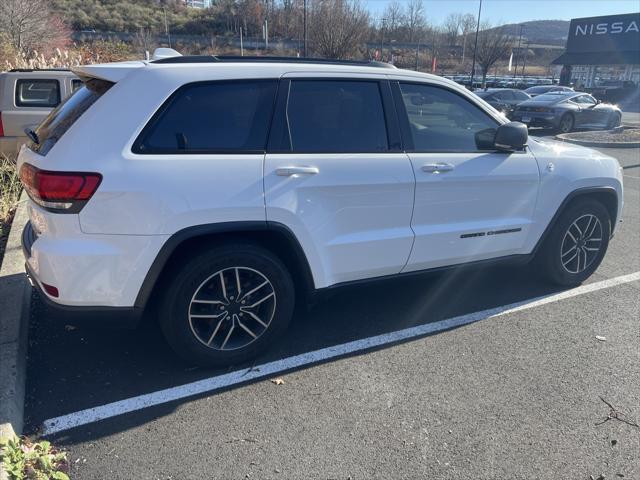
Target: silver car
[566, 111]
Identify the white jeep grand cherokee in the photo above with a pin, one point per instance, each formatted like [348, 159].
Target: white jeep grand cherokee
[219, 188]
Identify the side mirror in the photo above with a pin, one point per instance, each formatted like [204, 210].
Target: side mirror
[511, 136]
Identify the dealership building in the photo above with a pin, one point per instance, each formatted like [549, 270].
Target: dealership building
[602, 48]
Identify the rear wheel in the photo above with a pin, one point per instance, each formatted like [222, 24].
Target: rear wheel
[577, 243]
[566, 123]
[226, 305]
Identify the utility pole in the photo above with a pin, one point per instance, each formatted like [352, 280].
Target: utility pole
[464, 46]
[166, 26]
[475, 48]
[417, 54]
[524, 59]
[241, 44]
[515, 70]
[265, 29]
[382, 38]
[304, 27]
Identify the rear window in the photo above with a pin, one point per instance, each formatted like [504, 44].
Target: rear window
[60, 120]
[37, 92]
[212, 117]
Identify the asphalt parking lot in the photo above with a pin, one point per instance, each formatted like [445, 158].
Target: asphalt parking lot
[521, 395]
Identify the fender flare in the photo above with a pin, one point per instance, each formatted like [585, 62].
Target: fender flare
[177, 239]
[571, 196]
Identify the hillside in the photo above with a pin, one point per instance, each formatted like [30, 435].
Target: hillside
[550, 32]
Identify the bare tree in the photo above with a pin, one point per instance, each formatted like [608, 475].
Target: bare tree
[468, 26]
[452, 26]
[337, 28]
[394, 18]
[30, 25]
[415, 20]
[493, 44]
[144, 40]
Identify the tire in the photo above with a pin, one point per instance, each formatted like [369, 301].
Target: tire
[559, 265]
[614, 121]
[209, 324]
[566, 123]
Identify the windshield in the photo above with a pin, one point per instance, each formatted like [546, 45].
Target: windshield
[60, 119]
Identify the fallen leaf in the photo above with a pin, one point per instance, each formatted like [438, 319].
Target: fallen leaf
[277, 381]
[68, 328]
[602, 339]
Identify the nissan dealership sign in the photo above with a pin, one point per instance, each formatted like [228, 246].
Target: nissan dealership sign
[604, 34]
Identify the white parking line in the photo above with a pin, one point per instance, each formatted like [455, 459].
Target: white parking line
[208, 385]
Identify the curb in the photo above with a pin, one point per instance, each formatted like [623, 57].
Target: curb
[589, 143]
[15, 300]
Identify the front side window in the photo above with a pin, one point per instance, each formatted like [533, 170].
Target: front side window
[212, 117]
[42, 93]
[443, 121]
[336, 116]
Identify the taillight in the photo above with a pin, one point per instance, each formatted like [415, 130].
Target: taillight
[63, 192]
[1, 127]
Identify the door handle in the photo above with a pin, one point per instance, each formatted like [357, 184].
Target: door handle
[437, 167]
[288, 171]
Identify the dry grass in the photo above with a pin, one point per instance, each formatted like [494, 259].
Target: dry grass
[10, 189]
[10, 186]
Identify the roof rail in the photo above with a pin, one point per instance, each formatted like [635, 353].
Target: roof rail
[14, 70]
[253, 59]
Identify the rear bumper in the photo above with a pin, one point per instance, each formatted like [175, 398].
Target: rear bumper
[536, 120]
[117, 317]
[87, 269]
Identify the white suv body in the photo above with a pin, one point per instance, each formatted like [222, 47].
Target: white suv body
[417, 200]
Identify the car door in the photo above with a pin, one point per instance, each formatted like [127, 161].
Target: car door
[600, 112]
[472, 202]
[588, 114]
[335, 174]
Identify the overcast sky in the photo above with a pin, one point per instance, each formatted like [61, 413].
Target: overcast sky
[515, 11]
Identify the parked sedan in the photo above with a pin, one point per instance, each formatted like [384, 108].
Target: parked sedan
[564, 111]
[542, 89]
[503, 99]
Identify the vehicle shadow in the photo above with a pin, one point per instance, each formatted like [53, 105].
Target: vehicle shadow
[71, 369]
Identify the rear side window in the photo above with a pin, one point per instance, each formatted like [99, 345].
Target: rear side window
[443, 121]
[60, 120]
[335, 116]
[216, 117]
[42, 93]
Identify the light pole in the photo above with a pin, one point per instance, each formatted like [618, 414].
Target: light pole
[475, 48]
[166, 26]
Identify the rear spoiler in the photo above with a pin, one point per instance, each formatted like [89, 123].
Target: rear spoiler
[111, 72]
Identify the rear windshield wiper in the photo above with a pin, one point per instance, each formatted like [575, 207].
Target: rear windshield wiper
[33, 136]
